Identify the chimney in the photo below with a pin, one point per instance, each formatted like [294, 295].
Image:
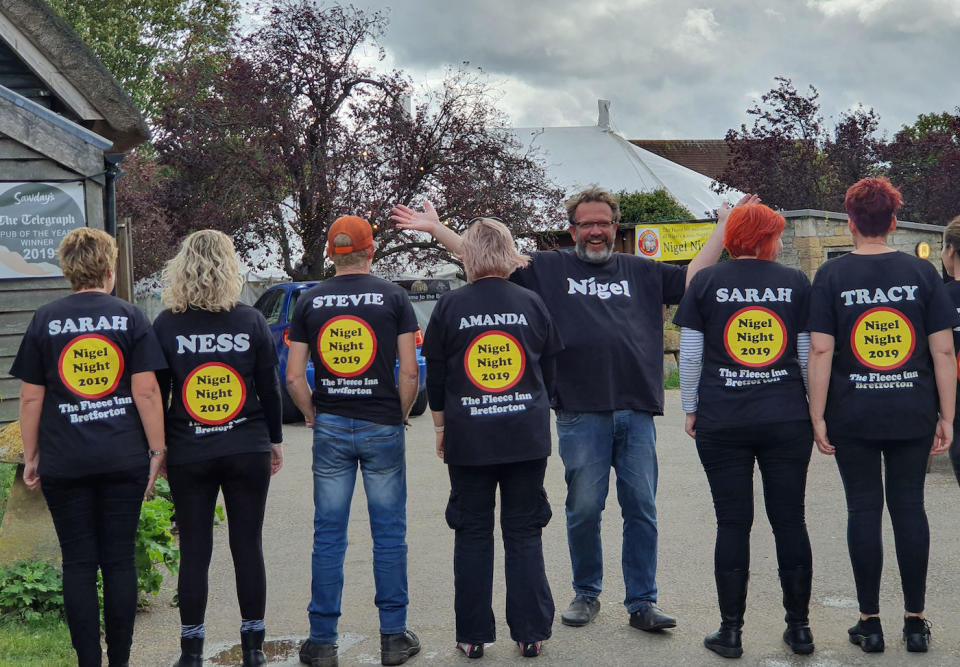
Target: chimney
[603, 119]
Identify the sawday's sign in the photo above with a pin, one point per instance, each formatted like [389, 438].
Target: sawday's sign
[34, 218]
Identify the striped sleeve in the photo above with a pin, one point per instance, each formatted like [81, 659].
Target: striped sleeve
[691, 365]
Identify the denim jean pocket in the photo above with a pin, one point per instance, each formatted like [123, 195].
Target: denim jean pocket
[568, 418]
[544, 513]
[453, 515]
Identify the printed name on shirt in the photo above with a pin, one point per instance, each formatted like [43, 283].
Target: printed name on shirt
[863, 296]
[83, 324]
[213, 343]
[590, 286]
[344, 300]
[488, 320]
[753, 295]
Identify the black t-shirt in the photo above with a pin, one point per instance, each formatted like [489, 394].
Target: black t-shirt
[351, 324]
[749, 312]
[880, 309]
[610, 318]
[83, 349]
[953, 291]
[491, 336]
[214, 358]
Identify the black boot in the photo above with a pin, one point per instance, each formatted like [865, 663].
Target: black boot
[252, 645]
[796, 583]
[732, 595]
[191, 652]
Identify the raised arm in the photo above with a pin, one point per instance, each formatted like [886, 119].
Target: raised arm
[710, 252]
[428, 221]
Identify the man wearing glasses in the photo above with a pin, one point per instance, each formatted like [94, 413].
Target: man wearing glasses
[608, 309]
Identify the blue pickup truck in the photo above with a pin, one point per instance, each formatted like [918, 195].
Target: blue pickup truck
[277, 304]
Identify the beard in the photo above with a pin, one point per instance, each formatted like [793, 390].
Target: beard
[593, 255]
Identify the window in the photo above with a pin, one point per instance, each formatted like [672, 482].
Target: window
[294, 296]
[838, 252]
[271, 305]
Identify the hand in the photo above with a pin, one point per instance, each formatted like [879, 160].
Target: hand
[440, 445]
[157, 463]
[30, 476]
[690, 425]
[276, 459]
[820, 437]
[407, 218]
[941, 441]
[725, 207]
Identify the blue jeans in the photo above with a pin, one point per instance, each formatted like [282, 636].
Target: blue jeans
[590, 443]
[341, 444]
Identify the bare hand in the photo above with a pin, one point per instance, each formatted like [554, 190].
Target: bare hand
[820, 437]
[407, 218]
[276, 459]
[690, 425]
[440, 445]
[725, 207]
[30, 476]
[943, 437]
[157, 463]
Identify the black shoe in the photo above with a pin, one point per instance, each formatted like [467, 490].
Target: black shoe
[868, 634]
[472, 651]
[397, 649]
[191, 652]
[530, 649]
[581, 611]
[317, 654]
[651, 618]
[916, 632]
[725, 642]
[796, 601]
[252, 645]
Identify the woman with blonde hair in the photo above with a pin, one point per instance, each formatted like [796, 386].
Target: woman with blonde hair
[490, 350]
[91, 419]
[223, 430]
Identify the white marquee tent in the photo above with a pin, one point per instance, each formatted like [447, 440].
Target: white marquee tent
[577, 157]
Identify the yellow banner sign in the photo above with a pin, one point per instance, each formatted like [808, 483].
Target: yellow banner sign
[667, 242]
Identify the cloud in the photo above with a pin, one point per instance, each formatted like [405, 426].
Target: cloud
[894, 16]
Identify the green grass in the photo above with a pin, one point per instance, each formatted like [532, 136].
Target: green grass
[43, 643]
[7, 472]
[673, 380]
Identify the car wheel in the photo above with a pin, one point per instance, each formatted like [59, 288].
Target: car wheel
[420, 405]
[291, 413]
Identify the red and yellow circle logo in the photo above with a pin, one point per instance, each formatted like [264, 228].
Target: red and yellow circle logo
[648, 243]
[347, 346]
[882, 339]
[755, 336]
[494, 361]
[90, 366]
[214, 393]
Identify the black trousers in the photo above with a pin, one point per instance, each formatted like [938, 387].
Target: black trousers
[96, 520]
[905, 471]
[782, 451]
[524, 513]
[245, 479]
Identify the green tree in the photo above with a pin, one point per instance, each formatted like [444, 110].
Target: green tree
[656, 206]
[136, 39]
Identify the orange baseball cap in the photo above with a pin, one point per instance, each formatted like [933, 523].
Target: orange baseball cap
[359, 231]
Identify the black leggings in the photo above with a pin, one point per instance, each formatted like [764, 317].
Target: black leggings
[782, 450]
[905, 471]
[96, 519]
[244, 479]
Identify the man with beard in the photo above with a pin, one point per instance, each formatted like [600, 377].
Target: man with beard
[608, 309]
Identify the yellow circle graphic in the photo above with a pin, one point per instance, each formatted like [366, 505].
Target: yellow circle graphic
[494, 361]
[347, 346]
[882, 339]
[755, 336]
[214, 393]
[90, 366]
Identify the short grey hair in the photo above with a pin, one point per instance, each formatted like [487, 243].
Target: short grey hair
[593, 194]
[488, 250]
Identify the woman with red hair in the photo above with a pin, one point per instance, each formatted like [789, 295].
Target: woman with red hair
[743, 351]
[881, 361]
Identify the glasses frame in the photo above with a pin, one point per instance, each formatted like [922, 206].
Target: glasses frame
[602, 226]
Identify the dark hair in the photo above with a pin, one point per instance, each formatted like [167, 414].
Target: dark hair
[753, 229]
[871, 203]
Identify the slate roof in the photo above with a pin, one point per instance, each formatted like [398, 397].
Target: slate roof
[706, 156]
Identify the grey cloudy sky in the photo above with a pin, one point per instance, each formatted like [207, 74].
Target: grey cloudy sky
[685, 68]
